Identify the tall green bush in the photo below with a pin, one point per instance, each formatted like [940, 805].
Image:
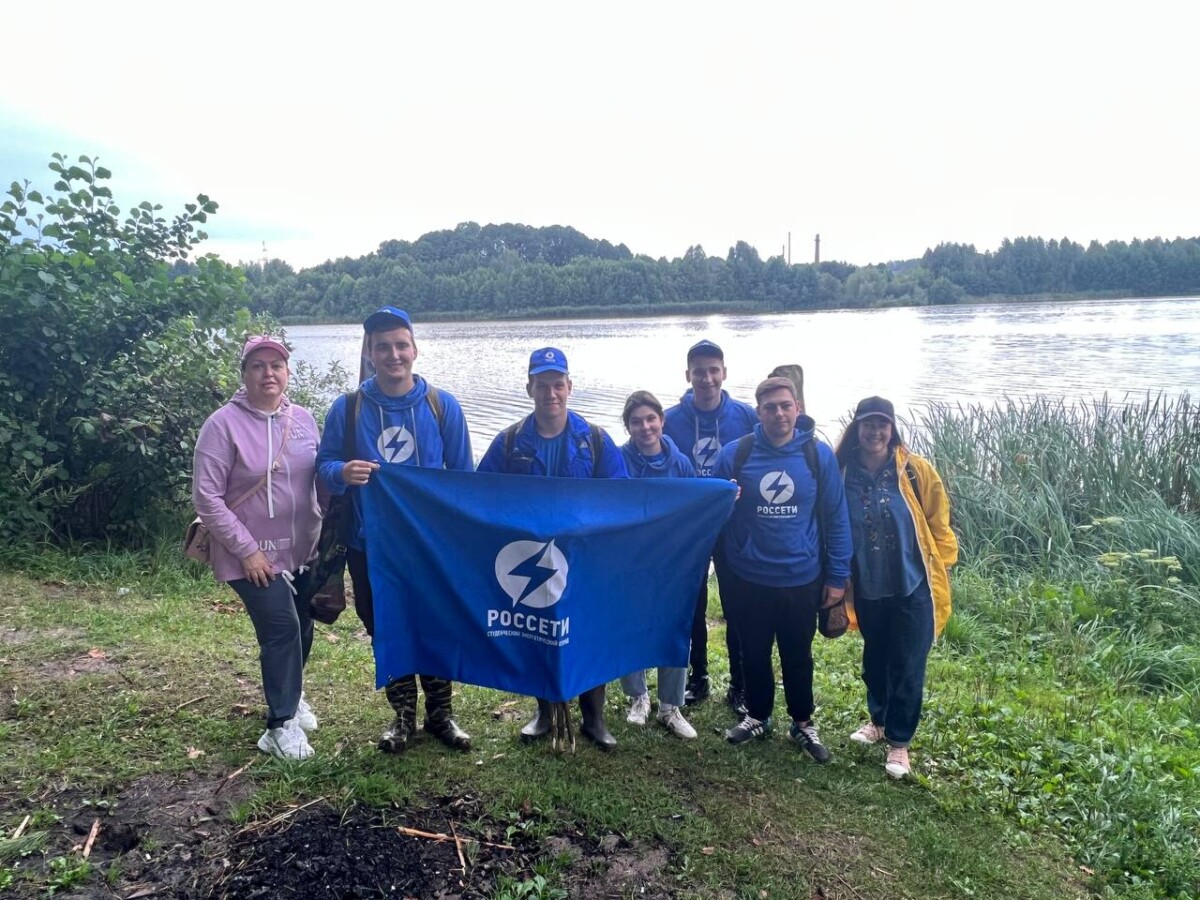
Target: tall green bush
[108, 363]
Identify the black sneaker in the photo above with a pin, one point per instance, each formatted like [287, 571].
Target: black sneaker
[808, 739]
[697, 690]
[748, 729]
[735, 699]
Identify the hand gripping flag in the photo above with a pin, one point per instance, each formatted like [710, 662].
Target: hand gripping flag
[540, 586]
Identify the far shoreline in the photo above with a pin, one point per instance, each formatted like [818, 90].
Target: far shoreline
[647, 311]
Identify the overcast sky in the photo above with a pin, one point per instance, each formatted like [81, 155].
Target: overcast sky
[324, 129]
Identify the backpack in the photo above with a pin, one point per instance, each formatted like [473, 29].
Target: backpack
[325, 588]
[595, 439]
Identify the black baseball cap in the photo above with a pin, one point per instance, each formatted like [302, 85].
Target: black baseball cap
[875, 406]
[705, 348]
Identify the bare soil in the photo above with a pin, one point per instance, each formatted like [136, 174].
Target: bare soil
[173, 838]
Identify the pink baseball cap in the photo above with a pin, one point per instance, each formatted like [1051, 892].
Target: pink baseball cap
[264, 342]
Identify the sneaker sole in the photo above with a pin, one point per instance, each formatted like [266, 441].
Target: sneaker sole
[896, 773]
[859, 739]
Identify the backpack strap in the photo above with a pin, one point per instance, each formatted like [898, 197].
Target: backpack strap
[912, 480]
[510, 439]
[814, 469]
[434, 399]
[744, 445]
[596, 437]
[350, 423]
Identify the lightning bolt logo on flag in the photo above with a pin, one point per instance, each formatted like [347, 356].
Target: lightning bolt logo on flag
[541, 586]
[537, 579]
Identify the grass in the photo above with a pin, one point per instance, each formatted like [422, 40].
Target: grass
[737, 821]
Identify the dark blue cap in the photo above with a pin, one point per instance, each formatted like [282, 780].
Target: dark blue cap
[386, 319]
[548, 359]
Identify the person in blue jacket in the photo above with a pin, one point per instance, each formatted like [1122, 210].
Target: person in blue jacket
[651, 454]
[705, 419]
[788, 548]
[400, 419]
[556, 442]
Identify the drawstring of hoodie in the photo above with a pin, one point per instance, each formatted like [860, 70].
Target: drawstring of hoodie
[290, 579]
[383, 426]
[270, 466]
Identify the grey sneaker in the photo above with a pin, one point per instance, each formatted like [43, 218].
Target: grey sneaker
[808, 739]
[748, 729]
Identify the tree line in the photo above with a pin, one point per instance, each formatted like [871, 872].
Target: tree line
[514, 270]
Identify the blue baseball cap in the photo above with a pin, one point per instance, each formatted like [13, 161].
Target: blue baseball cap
[386, 319]
[548, 359]
[705, 348]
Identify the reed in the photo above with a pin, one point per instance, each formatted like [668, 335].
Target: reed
[1065, 487]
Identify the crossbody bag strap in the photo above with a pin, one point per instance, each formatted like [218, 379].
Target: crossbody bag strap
[262, 481]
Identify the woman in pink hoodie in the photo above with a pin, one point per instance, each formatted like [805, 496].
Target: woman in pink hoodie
[254, 488]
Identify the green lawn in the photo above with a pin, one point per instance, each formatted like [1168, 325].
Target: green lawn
[102, 690]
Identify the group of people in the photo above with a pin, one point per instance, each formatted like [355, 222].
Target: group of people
[816, 537]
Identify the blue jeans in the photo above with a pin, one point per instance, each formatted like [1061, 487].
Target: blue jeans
[897, 634]
[670, 684]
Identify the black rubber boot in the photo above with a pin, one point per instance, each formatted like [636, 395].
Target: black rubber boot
[591, 704]
[402, 695]
[439, 720]
[539, 726]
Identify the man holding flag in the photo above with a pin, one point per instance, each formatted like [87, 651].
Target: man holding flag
[396, 419]
[556, 442]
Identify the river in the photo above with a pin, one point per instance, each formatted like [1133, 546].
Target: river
[913, 356]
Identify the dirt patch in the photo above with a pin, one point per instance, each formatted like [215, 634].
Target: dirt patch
[16, 636]
[363, 853]
[172, 837]
[94, 662]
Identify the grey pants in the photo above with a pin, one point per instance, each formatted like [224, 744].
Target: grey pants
[284, 630]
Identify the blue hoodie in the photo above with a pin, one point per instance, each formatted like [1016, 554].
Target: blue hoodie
[393, 430]
[672, 463]
[772, 536]
[576, 461]
[701, 435]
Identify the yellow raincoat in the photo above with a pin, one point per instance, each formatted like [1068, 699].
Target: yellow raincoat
[939, 546]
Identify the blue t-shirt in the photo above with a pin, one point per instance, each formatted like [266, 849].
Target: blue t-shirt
[551, 451]
[887, 556]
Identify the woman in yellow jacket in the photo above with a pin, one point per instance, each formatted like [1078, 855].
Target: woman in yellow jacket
[903, 548]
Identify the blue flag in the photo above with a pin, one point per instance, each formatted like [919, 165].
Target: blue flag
[540, 586]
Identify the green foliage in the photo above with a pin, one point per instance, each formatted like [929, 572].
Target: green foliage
[536, 888]
[108, 364]
[65, 873]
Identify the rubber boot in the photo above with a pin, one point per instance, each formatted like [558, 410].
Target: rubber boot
[539, 726]
[591, 704]
[439, 719]
[402, 695]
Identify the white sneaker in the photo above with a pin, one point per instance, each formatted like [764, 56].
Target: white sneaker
[639, 710]
[868, 734]
[674, 721]
[286, 742]
[897, 764]
[305, 717]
